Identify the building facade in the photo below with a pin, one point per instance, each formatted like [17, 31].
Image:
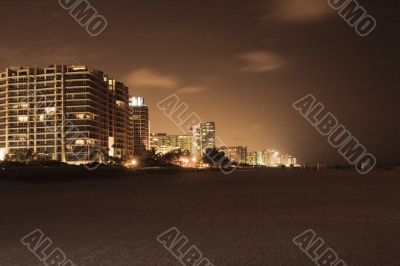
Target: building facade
[141, 125]
[288, 160]
[237, 154]
[252, 158]
[204, 137]
[164, 143]
[67, 113]
[271, 158]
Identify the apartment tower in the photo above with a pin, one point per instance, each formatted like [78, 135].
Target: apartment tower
[67, 113]
[203, 138]
[141, 125]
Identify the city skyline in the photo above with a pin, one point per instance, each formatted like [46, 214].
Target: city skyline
[244, 79]
[78, 114]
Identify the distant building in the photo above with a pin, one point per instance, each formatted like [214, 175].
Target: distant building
[288, 160]
[140, 125]
[237, 154]
[203, 138]
[241, 153]
[68, 113]
[164, 143]
[271, 158]
[252, 158]
[260, 158]
[256, 158]
[158, 140]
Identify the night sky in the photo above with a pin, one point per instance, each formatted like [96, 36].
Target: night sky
[241, 64]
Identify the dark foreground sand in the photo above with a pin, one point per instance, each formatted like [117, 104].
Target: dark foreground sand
[247, 218]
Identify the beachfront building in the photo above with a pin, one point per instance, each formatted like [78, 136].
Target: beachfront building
[68, 113]
[256, 158]
[237, 153]
[271, 158]
[164, 143]
[288, 160]
[140, 125]
[203, 138]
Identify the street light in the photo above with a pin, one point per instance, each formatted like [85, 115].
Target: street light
[134, 163]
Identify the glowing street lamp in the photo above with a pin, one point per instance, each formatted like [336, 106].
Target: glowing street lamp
[133, 164]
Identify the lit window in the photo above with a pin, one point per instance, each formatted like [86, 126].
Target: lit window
[80, 142]
[23, 118]
[50, 110]
[120, 103]
[78, 68]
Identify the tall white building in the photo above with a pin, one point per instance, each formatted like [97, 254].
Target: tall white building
[203, 138]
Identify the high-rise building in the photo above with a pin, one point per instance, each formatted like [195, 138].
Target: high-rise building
[140, 125]
[237, 154]
[271, 158]
[252, 158]
[288, 160]
[196, 141]
[120, 133]
[207, 136]
[164, 143]
[256, 158]
[204, 138]
[67, 113]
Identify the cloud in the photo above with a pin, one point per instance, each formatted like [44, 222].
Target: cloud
[192, 89]
[146, 77]
[297, 10]
[260, 61]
